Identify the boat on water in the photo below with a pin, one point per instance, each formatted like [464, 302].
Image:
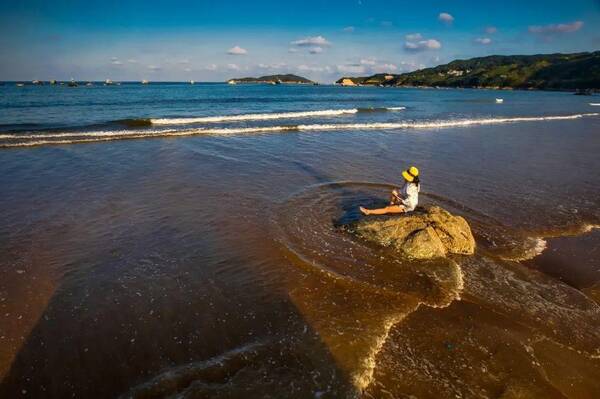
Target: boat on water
[192, 82]
[499, 100]
[53, 82]
[145, 82]
[73, 83]
[89, 84]
[20, 84]
[231, 82]
[37, 82]
[108, 82]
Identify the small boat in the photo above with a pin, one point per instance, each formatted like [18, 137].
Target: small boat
[36, 82]
[89, 84]
[108, 82]
[73, 83]
[192, 82]
[231, 82]
[20, 84]
[499, 100]
[53, 82]
[145, 82]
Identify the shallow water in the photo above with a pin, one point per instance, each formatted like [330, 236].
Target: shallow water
[214, 265]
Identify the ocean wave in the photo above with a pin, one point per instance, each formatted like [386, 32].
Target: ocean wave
[252, 117]
[268, 116]
[28, 140]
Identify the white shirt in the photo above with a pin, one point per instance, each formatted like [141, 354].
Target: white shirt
[410, 195]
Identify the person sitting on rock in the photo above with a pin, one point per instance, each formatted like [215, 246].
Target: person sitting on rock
[403, 200]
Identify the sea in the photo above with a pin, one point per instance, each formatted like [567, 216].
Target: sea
[178, 240]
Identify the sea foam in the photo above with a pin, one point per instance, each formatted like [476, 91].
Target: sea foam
[27, 140]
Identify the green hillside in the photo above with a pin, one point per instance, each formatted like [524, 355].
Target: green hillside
[544, 71]
[287, 78]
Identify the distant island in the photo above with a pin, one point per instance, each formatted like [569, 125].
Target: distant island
[273, 79]
[578, 71]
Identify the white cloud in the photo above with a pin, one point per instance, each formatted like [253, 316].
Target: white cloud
[556, 28]
[368, 61]
[348, 29]
[154, 67]
[367, 66]
[211, 67]
[490, 30]
[382, 68]
[237, 50]
[276, 66]
[313, 68]
[351, 68]
[316, 50]
[421, 45]
[233, 67]
[132, 61]
[292, 50]
[311, 41]
[446, 18]
[116, 62]
[483, 40]
[413, 37]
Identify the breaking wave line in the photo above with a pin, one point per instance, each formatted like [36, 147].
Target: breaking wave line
[88, 137]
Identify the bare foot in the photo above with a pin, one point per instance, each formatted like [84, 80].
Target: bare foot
[365, 211]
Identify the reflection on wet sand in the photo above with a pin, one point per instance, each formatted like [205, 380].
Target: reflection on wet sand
[219, 268]
[504, 337]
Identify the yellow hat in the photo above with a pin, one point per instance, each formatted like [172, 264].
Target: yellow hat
[410, 173]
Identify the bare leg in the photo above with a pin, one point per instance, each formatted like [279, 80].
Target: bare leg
[383, 211]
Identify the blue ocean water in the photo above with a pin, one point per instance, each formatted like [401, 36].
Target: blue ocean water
[100, 108]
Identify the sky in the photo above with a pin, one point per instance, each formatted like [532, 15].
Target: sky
[323, 40]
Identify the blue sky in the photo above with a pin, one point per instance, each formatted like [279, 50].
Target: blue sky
[322, 40]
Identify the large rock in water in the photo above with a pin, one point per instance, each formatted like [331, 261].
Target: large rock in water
[423, 234]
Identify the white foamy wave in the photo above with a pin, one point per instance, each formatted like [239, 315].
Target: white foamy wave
[396, 108]
[536, 247]
[589, 227]
[253, 117]
[595, 104]
[87, 137]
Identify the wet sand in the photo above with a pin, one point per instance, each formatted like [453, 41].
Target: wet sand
[216, 267]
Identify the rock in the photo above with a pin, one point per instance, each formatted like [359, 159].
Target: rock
[423, 234]
[424, 244]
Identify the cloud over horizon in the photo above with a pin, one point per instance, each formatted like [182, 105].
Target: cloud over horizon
[415, 43]
[446, 18]
[311, 41]
[556, 28]
[237, 50]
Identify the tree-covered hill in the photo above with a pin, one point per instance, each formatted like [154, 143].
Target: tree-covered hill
[544, 71]
[287, 78]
